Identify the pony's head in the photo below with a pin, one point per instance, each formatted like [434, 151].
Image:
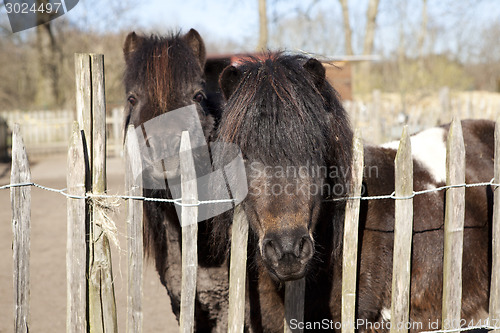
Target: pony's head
[164, 74]
[290, 127]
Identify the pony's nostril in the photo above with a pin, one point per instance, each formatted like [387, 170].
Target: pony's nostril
[304, 248]
[271, 251]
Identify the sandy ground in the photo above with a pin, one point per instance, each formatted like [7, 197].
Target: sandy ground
[48, 264]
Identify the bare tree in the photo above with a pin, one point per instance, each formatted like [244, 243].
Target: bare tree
[371, 17]
[347, 27]
[49, 57]
[263, 31]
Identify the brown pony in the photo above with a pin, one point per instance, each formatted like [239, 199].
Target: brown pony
[297, 142]
[290, 127]
[164, 74]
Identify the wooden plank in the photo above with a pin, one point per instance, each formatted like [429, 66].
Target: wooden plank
[494, 310]
[135, 249]
[295, 292]
[403, 229]
[20, 198]
[350, 247]
[189, 223]
[84, 96]
[76, 248]
[237, 271]
[102, 305]
[453, 228]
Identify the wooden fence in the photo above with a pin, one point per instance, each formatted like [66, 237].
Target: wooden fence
[88, 258]
[419, 113]
[48, 132]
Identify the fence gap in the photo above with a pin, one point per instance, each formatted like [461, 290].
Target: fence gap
[494, 311]
[403, 229]
[76, 254]
[237, 271]
[133, 186]
[453, 228]
[189, 224]
[20, 198]
[350, 249]
[91, 110]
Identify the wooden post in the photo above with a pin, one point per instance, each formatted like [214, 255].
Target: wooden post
[91, 110]
[454, 228]
[295, 292]
[350, 249]
[135, 249]
[84, 96]
[189, 223]
[403, 229]
[20, 198]
[237, 271]
[76, 254]
[494, 311]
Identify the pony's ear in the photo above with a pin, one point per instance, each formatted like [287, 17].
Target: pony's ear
[195, 42]
[228, 80]
[132, 43]
[317, 71]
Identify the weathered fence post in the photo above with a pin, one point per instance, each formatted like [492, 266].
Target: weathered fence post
[76, 254]
[454, 228]
[494, 310]
[20, 198]
[189, 223]
[91, 110]
[237, 271]
[403, 229]
[133, 186]
[350, 249]
[295, 292]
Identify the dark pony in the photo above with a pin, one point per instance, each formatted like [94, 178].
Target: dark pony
[284, 116]
[291, 128]
[164, 74]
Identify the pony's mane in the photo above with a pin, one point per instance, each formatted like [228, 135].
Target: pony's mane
[277, 115]
[159, 61]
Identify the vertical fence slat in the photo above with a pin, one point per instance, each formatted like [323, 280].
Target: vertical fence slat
[295, 292]
[400, 297]
[83, 96]
[134, 233]
[350, 247]
[454, 228]
[102, 304]
[237, 271]
[76, 253]
[494, 310]
[189, 223]
[21, 219]
[91, 110]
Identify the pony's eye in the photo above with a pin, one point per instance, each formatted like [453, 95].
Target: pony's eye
[132, 100]
[199, 97]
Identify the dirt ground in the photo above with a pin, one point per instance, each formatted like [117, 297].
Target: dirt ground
[48, 264]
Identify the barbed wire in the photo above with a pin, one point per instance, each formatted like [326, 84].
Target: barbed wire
[464, 329]
[432, 190]
[89, 195]
[178, 201]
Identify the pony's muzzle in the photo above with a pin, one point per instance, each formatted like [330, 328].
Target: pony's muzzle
[287, 256]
